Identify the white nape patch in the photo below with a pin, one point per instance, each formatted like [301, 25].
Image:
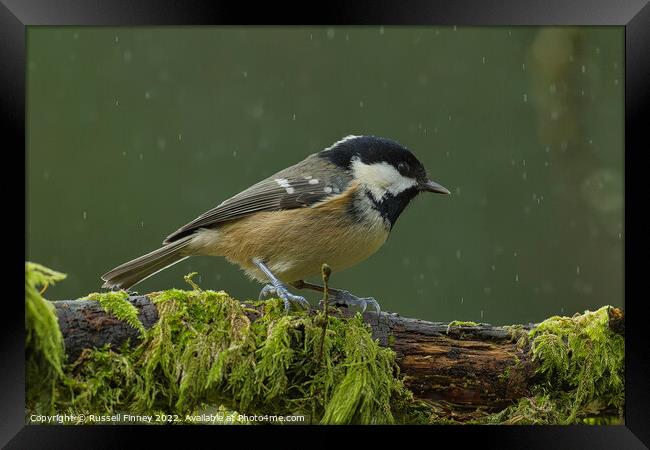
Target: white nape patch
[313, 181]
[283, 182]
[346, 138]
[381, 178]
[328, 190]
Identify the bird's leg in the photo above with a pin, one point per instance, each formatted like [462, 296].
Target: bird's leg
[340, 297]
[278, 288]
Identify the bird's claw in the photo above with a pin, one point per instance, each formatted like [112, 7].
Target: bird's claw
[344, 298]
[287, 297]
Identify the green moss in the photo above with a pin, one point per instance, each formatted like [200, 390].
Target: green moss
[44, 351]
[581, 363]
[116, 303]
[205, 351]
[460, 323]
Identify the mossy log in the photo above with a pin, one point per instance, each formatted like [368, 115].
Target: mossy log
[456, 366]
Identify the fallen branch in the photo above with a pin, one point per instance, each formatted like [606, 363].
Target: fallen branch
[174, 353]
[465, 365]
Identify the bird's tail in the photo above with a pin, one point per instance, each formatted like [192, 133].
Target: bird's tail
[130, 273]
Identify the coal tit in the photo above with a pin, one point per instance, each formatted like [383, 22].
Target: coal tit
[336, 206]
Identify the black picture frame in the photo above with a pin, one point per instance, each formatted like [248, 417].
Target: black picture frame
[634, 15]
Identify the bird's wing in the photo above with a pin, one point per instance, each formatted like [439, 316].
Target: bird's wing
[304, 184]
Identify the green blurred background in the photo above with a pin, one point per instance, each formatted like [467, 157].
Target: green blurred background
[132, 132]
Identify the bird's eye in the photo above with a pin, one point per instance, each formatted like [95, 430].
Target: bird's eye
[403, 168]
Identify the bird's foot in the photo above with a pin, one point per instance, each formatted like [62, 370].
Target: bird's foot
[271, 291]
[344, 298]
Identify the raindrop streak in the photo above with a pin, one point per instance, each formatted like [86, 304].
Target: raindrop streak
[525, 97]
[84, 215]
[517, 278]
[294, 116]
[577, 270]
[180, 137]
[117, 39]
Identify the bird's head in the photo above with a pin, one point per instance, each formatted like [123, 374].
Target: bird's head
[389, 173]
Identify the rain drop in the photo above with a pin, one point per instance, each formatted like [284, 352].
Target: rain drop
[117, 39]
[525, 97]
[84, 215]
[381, 29]
[361, 104]
[517, 278]
[330, 33]
[180, 137]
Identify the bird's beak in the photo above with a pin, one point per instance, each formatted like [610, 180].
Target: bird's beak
[432, 186]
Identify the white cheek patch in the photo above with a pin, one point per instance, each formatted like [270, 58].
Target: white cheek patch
[381, 178]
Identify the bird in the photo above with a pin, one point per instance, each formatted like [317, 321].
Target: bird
[337, 206]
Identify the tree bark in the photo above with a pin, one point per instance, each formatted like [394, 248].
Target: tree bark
[456, 365]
